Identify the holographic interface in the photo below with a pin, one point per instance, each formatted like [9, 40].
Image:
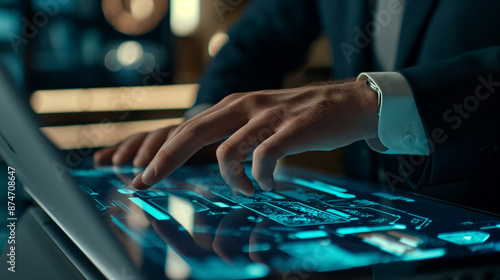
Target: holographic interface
[192, 224]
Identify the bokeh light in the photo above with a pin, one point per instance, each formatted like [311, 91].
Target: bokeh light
[217, 42]
[142, 9]
[148, 64]
[130, 53]
[184, 17]
[134, 17]
[111, 61]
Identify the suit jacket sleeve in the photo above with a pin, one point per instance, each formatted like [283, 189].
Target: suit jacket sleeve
[458, 100]
[271, 38]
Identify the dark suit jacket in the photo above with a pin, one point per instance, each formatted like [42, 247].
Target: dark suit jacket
[449, 51]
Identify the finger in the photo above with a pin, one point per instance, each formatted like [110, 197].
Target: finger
[128, 149]
[223, 103]
[212, 112]
[103, 157]
[150, 146]
[266, 155]
[194, 135]
[138, 183]
[232, 153]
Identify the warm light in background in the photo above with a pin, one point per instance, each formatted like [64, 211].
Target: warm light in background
[184, 16]
[114, 99]
[217, 42]
[142, 9]
[100, 135]
[109, 100]
[134, 17]
[129, 53]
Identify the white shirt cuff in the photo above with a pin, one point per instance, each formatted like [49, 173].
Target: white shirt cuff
[400, 130]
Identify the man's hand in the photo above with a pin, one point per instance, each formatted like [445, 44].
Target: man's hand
[263, 126]
[139, 149]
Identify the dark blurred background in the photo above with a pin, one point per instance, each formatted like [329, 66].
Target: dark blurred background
[60, 44]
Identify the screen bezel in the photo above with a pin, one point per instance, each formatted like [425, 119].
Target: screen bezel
[43, 172]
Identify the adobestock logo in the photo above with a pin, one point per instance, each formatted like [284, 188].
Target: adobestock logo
[222, 7]
[454, 117]
[31, 27]
[362, 38]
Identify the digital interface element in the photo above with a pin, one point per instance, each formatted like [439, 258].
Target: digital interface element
[465, 237]
[339, 223]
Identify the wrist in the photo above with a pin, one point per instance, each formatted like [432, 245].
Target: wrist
[369, 108]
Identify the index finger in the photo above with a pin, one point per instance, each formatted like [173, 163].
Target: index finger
[191, 137]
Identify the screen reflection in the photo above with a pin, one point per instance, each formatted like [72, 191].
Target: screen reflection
[192, 225]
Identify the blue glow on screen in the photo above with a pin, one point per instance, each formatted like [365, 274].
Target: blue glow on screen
[157, 214]
[364, 229]
[303, 219]
[323, 187]
[311, 234]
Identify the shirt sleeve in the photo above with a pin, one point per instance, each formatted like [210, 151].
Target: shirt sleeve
[400, 129]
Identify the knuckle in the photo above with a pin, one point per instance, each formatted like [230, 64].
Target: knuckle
[257, 99]
[257, 174]
[299, 122]
[262, 152]
[117, 158]
[225, 151]
[135, 137]
[193, 127]
[176, 130]
[232, 97]
[162, 155]
[270, 114]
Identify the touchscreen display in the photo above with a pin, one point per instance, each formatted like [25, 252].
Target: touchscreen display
[192, 225]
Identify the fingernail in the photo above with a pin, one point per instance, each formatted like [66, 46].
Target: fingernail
[246, 192]
[148, 175]
[115, 159]
[138, 183]
[135, 181]
[244, 189]
[267, 186]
